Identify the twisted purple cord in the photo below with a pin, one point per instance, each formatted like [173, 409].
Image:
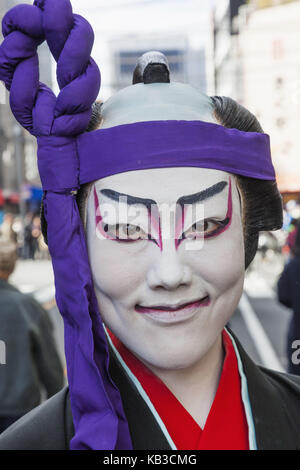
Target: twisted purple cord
[98, 415]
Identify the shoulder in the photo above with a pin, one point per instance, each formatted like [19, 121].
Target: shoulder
[288, 385]
[274, 399]
[47, 427]
[18, 308]
[13, 301]
[10, 296]
[293, 265]
[10, 292]
[279, 384]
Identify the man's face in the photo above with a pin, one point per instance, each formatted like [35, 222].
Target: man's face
[167, 257]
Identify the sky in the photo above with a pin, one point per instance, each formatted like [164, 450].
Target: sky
[109, 16]
[116, 19]
[113, 4]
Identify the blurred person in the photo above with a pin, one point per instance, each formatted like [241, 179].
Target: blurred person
[19, 231]
[36, 233]
[263, 245]
[29, 240]
[32, 363]
[289, 231]
[43, 248]
[288, 291]
[6, 229]
[291, 237]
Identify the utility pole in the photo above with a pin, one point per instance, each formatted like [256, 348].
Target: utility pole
[3, 143]
[19, 144]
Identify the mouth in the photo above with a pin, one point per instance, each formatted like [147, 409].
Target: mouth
[173, 313]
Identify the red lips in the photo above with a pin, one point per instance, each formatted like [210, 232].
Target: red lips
[198, 303]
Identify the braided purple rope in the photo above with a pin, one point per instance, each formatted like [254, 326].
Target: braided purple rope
[77, 73]
[97, 410]
[18, 58]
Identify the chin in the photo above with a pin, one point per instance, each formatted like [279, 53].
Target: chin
[174, 359]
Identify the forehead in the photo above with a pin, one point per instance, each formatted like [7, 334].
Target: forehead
[164, 184]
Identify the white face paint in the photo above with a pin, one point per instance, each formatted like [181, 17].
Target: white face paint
[166, 297]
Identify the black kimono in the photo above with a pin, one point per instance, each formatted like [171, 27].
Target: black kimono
[274, 399]
[288, 289]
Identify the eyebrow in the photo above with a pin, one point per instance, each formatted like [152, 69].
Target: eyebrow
[203, 195]
[130, 200]
[190, 199]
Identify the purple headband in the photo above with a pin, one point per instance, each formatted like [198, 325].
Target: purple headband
[68, 158]
[161, 144]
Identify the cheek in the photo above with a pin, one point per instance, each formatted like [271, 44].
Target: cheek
[110, 270]
[115, 270]
[221, 261]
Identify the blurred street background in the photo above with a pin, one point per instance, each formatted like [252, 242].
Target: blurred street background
[248, 50]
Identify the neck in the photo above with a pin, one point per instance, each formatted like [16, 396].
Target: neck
[4, 276]
[195, 387]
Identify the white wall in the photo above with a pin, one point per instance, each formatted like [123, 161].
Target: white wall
[270, 53]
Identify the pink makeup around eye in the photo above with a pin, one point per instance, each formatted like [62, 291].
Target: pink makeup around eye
[224, 224]
[155, 222]
[227, 221]
[98, 218]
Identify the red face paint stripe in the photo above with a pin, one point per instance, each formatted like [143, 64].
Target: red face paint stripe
[99, 224]
[155, 223]
[224, 224]
[98, 217]
[180, 218]
[97, 210]
[227, 221]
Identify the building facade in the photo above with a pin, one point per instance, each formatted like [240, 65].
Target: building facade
[186, 65]
[18, 166]
[227, 72]
[269, 54]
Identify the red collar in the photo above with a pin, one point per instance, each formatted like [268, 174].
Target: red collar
[226, 426]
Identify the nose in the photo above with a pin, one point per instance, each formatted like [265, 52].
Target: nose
[168, 272]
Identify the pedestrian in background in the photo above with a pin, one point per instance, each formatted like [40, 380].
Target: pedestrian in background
[288, 289]
[35, 233]
[32, 363]
[29, 248]
[6, 229]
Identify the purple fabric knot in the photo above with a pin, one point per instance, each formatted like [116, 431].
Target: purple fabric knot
[56, 177]
[97, 410]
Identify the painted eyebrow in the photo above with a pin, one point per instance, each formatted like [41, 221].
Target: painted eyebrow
[202, 195]
[130, 200]
[190, 199]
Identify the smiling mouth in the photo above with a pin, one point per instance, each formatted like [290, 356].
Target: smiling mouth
[185, 307]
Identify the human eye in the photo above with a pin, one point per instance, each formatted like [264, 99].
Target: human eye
[124, 232]
[205, 228]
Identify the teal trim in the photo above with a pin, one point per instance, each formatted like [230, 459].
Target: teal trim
[245, 398]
